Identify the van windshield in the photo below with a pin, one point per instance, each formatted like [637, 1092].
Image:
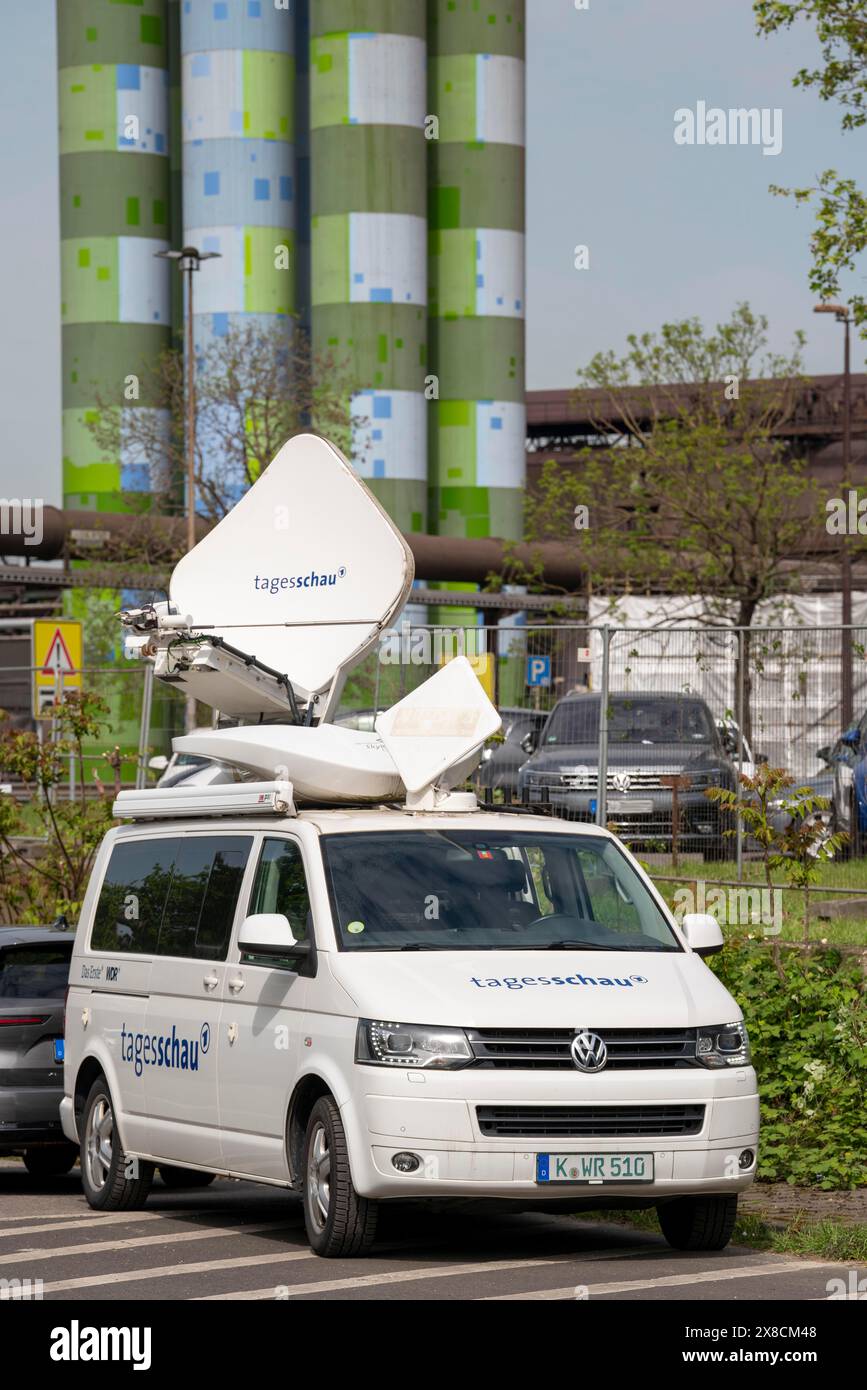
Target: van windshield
[462, 890]
[631, 719]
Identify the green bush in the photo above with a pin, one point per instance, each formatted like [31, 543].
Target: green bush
[807, 1019]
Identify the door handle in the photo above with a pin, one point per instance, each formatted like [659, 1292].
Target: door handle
[211, 981]
[237, 984]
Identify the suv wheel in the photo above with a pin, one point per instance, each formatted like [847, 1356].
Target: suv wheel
[111, 1181]
[339, 1222]
[698, 1223]
[51, 1162]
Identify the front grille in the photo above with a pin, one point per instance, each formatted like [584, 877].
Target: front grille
[549, 1049]
[588, 1121]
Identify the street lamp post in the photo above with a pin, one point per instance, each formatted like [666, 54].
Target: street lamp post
[189, 260]
[842, 315]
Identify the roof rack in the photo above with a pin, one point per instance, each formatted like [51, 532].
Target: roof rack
[244, 799]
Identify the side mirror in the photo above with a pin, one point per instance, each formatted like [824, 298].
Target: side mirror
[703, 933]
[530, 741]
[269, 934]
[158, 763]
[824, 754]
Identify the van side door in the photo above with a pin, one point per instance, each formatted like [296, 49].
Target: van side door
[260, 1022]
[179, 1052]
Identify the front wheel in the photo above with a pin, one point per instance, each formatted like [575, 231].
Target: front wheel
[111, 1180]
[339, 1223]
[698, 1223]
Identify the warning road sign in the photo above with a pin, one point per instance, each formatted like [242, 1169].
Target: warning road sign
[56, 661]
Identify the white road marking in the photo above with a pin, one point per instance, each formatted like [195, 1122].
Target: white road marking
[130, 1276]
[93, 1219]
[399, 1276]
[668, 1281]
[98, 1247]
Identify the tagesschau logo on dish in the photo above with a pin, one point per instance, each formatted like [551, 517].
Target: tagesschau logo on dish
[279, 583]
[527, 981]
[163, 1049]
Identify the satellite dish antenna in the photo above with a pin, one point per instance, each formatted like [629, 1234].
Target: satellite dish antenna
[435, 734]
[302, 575]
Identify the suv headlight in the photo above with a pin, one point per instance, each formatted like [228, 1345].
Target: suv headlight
[410, 1045]
[723, 1045]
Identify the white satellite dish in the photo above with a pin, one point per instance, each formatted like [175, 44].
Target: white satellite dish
[303, 573]
[327, 763]
[436, 733]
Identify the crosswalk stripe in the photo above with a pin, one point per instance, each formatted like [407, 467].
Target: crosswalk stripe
[99, 1247]
[92, 1219]
[667, 1281]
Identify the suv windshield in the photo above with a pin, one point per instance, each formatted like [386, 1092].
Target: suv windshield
[630, 721]
[461, 890]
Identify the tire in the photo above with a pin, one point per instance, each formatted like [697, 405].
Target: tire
[104, 1163]
[339, 1223]
[53, 1161]
[184, 1177]
[698, 1223]
[856, 835]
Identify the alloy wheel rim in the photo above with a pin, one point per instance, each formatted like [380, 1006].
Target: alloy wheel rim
[98, 1143]
[319, 1177]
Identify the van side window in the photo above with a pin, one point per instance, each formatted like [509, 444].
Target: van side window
[281, 885]
[133, 895]
[202, 897]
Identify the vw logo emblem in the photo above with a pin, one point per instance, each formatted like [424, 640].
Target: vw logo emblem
[621, 781]
[589, 1052]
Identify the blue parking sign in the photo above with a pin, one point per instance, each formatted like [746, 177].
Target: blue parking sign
[538, 670]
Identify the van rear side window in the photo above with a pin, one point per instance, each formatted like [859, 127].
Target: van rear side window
[171, 897]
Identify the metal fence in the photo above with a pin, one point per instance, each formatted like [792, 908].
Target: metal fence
[672, 711]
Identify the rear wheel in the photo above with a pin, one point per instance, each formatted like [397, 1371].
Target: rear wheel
[339, 1223]
[698, 1223]
[184, 1177]
[111, 1180]
[52, 1161]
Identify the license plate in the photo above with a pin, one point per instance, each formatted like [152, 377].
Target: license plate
[594, 1168]
[625, 806]
[58, 1049]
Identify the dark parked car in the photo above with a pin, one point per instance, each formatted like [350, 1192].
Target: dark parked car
[650, 738]
[34, 972]
[502, 759]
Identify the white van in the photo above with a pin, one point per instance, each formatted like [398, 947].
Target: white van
[347, 979]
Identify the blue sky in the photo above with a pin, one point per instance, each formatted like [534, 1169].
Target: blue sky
[673, 231]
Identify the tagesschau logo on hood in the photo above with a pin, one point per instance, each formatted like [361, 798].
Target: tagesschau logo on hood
[528, 981]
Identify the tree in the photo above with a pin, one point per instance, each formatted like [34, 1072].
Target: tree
[840, 232]
[47, 845]
[255, 386]
[689, 489]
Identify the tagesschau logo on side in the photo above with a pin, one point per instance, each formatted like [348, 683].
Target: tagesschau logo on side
[163, 1049]
[279, 583]
[527, 981]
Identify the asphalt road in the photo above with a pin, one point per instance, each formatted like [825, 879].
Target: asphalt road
[239, 1241]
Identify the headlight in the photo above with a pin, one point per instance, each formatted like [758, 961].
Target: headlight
[724, 1045]
[410, 1045]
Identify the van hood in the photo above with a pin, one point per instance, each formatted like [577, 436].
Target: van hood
[532, 989]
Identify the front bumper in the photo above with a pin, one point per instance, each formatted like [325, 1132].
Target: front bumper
[647, 819]
[457, 1159]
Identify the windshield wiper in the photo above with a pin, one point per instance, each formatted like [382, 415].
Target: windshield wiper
[581, 946]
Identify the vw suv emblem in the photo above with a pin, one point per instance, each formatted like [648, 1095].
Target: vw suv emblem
[589, 1052]
[621, 781]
